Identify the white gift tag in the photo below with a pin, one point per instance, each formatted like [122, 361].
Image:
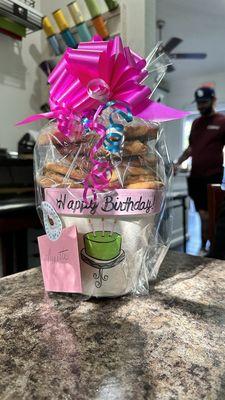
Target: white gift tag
[52, 222]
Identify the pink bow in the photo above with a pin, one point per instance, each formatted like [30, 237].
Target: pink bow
[118, 67]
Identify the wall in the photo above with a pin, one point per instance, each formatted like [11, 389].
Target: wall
[138, 25]
[20, 90]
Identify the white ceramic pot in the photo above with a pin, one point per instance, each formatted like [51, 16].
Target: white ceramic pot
[111, 251]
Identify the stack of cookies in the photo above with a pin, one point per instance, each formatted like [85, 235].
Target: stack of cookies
[66, 162]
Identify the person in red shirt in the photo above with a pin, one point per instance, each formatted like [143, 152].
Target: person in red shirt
[206, 142]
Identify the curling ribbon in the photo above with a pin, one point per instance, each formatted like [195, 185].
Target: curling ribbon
[99, 176]
[114, 134]
[112, 138]
[64, 116]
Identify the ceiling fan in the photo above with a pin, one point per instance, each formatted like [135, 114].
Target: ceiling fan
[172, 44]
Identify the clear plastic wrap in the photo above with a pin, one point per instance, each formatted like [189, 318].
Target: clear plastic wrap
[124, 233]
[102, 171]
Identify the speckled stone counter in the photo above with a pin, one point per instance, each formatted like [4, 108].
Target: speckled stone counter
[168, 345]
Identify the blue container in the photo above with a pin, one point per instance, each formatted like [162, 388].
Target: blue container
[69, 39]
[83, 32]
[57, 48]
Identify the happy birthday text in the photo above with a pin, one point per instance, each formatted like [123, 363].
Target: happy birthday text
[109, 204]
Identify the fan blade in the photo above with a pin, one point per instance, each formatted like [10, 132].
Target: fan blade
[171, 44]
[188, 56]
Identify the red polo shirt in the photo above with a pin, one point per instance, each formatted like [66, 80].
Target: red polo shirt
[207, 139]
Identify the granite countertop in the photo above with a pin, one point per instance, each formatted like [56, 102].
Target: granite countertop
[168, 345]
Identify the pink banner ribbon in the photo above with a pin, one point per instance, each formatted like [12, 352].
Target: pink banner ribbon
[120, 202]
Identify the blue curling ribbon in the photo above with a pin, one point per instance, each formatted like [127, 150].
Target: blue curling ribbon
[114, 133]
[114, 138]
[85, 123]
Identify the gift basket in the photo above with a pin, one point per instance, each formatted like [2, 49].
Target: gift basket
[102, 173]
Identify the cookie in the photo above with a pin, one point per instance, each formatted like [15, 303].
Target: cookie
[129, 175]
[115, 175]
[137, 170]
[55, 137]
[135, 148]
[84, 147]
[140, 160]
[145, 185]
[57, 179]
[57, 168]
[52, 135]
[130, 148]
[45, 182]
[141, 178]
[141, 132]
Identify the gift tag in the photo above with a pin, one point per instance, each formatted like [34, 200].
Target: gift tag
[60, 262]
[52, 222]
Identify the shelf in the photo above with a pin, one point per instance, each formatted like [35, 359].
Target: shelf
[21, 13]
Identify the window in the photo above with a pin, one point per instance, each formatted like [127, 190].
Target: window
[187, 123]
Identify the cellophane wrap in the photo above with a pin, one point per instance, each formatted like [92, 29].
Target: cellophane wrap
[102, 171]
[123, 230]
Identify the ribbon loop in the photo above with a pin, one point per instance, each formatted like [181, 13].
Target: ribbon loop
[98, 89]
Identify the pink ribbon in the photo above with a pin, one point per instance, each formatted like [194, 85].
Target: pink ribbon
[120, 68]
[99, 176]
[101, 170]
[120, 73]
[64, 116]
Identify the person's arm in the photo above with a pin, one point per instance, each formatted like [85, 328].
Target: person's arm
[184, 156]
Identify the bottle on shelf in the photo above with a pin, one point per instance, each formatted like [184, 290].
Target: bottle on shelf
[78, 18]
[51, 36]
[97, 19]
[64, 29]
[112, 4]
